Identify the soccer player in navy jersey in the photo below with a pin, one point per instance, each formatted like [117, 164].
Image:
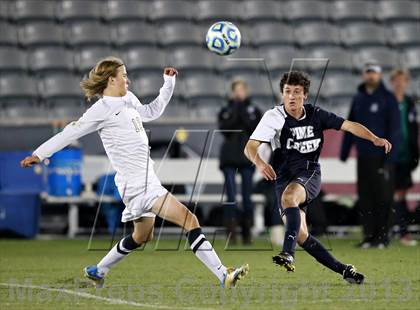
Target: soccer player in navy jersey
[295, 132]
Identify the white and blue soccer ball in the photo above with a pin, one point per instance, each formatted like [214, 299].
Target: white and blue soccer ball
[223, 38]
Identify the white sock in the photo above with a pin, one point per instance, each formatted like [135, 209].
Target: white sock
[207, 255]
[117, 253]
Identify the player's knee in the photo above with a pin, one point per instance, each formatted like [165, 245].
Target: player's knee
[289, 199]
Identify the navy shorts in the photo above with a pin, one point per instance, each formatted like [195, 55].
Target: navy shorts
[310, 179]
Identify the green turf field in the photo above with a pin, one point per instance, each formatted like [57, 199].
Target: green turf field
[175, 279]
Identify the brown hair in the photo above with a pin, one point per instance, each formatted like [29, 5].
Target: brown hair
[296, 78]
[97, 80]
[399, 71]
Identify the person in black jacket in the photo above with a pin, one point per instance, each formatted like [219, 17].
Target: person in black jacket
[408, 152]
[376, 108]
[237, 120]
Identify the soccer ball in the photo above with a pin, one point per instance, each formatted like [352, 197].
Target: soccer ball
[223, 38]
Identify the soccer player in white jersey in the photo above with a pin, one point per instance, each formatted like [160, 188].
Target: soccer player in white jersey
[118, 116]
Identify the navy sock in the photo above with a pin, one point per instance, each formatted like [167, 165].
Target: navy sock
[317, 250]
[292, 229]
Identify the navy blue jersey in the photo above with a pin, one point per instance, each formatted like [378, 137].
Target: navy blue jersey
[295, 143]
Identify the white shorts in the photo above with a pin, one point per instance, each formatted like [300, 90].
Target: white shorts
[139, 203]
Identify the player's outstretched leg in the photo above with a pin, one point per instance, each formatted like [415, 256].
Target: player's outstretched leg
[143, 232]
[312, 245]
[170, 209]
[322, 255]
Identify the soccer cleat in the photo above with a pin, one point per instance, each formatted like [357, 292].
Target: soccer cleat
[233, 275]
[92, 273]
[351, 275]
[286, 260]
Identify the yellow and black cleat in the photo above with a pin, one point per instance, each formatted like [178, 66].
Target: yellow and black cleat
[233, 275]
[285, 260]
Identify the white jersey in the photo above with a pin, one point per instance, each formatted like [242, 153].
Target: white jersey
[119, 121]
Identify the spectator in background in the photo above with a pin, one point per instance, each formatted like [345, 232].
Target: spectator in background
[376, 108]
[237, 120]
[408, 151]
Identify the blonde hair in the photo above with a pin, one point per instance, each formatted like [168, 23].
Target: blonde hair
[399, 71]
[97, 80]
[237, 82]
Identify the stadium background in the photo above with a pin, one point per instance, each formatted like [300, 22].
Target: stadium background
[46, 47]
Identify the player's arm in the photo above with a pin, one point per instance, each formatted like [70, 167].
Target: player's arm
[362, 132]
[263, 133]
[91, 121]
[154, 109]
[251, 152]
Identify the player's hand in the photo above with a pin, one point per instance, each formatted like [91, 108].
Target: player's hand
[170, 71]
[383, 143]
[29, 161]
[267, 171]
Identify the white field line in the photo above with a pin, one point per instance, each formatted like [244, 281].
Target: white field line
[136, 304]
[106, 299]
